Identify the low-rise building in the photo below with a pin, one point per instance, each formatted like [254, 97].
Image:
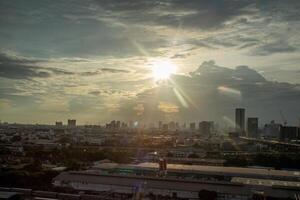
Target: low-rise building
[184, 181]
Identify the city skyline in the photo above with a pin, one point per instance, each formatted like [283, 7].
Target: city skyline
[148, 61]
[149, 99]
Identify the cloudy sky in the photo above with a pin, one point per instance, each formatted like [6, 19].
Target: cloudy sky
[93, 60]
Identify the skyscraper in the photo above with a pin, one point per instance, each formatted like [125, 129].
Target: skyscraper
[118, 125]
[192, 126]
[240, 120]
[71, 122]
[160, 124]
[205, 127]
[172, 125]
[252, 127]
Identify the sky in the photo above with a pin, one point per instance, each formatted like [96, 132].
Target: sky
[93, 60]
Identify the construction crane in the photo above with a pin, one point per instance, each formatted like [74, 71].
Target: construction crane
[283, 118]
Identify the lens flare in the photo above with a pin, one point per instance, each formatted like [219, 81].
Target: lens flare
[162, 70]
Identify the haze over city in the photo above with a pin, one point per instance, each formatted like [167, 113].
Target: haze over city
[148, 60]
[149, 100]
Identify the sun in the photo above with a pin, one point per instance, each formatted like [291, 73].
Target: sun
[162, 70]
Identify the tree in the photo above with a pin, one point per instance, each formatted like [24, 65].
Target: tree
[207, 195]
[16, 138]
[193, 155]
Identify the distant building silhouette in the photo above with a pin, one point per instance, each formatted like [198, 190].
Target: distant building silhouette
[71, 122]
[184, 126]
[131, 124]
[252, 127]
[165, 127]
[289, 133]
[205, 127]
[172, 125]
[272, 130]
[192, 126]
[160, 124]
[240, 121]
[58, 124]
[118, 125]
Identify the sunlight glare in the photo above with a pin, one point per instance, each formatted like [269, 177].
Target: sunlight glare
[162, 70]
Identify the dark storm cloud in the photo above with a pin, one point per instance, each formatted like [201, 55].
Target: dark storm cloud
[89, 28]
[287, 10]
[275, 47]
[198, 13]
[19, 68]
[105, 27]
[190, 14]
[210, 72]
[95, 93]
[14, 67]
[111, 70]
[225, 41]
[66, 29]
[103, 70]
[5, 58]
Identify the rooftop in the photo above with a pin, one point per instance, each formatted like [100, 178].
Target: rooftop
[203, 169]
[7, 195]
[67, 178]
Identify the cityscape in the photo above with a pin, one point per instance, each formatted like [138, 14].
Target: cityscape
[186, 156]
[149, 100]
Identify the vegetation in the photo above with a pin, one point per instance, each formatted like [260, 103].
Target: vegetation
[22, 178]
[274, 160]
[34, 176]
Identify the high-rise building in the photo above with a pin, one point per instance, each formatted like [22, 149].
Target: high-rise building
[131, 124]
[172, 125]
[272, 130]
[160, 124]
[177, 125]
[289, 133]
[71, 122]
[123, 125]
[113, 124]
[192, 126]
[165, 127]
[184, 126]
[240, 120]
[205, 127]
[118, 125]
[252, 127]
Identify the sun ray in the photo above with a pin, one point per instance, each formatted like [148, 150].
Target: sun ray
[162, 69]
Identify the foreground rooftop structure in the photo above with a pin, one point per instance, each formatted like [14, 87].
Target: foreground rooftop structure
[184, 181]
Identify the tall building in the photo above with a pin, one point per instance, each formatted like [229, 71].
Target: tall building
[184, 126]
[205, 127]
[160, 124]
[252, 127]
[177, 125]
[118, 125]
[123, 125]
[131, 124]
[289, 133]
[71, 122]
[172, 125]
[272, 130]
[240, 120]
[192, 126]
[165, 127]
